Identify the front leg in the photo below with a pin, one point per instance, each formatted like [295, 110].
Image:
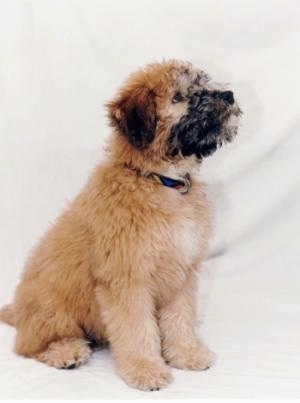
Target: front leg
[132, 331]
[177, 321]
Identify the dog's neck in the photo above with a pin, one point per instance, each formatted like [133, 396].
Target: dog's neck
[176, 175]
[179, 169]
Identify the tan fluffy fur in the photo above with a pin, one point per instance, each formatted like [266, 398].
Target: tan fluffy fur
[120, 264]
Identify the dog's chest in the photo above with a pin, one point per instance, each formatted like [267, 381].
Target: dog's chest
[186, 239]
[182, 243]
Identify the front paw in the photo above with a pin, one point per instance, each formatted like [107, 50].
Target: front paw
[144, 374]
[194, 356]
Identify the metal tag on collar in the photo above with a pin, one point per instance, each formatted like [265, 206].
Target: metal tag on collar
[187, 185]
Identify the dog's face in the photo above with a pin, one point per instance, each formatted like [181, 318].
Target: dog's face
[172, 110]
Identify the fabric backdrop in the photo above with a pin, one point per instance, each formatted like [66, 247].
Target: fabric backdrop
[60, 61]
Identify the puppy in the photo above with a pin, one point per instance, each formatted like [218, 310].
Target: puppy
[120, 264]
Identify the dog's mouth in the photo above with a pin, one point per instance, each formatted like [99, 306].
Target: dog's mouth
[203, 130]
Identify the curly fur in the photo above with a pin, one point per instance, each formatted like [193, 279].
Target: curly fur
[120, 264]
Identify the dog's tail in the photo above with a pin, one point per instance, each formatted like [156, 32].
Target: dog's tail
[7, 315]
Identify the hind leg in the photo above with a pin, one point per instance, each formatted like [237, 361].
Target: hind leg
[54, 339]
[67, 353]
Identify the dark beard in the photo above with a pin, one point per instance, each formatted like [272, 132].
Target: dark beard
[194, 134]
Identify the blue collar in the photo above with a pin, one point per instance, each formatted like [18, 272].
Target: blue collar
[182, 185]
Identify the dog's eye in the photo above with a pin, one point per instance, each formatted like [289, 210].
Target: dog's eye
[177, 98]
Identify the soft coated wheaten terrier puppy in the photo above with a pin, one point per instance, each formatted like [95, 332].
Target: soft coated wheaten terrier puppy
[120, 264]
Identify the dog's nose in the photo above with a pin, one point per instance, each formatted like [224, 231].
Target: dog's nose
[227, 96]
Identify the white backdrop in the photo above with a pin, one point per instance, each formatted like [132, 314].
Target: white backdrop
[60, 61]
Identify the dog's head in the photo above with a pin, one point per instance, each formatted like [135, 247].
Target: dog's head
[171, 110]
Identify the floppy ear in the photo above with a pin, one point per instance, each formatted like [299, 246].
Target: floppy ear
[134, 114]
